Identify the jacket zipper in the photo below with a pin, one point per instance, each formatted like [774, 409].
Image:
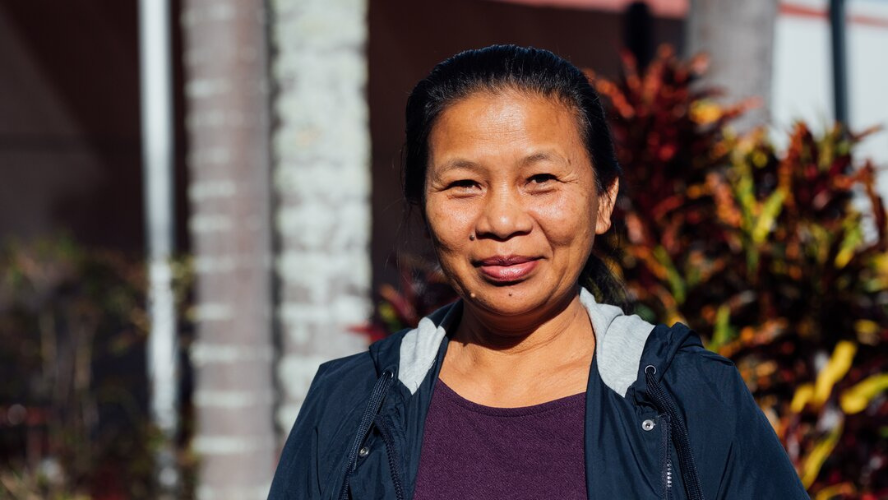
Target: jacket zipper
[668, 478]
[373, 405]
[679, 434]
[389, 441]
[667, 459]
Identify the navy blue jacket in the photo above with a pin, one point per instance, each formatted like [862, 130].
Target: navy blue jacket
[665, 418]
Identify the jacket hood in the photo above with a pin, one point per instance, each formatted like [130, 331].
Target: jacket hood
[624, 345]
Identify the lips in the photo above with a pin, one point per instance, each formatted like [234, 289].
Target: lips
[506, 269]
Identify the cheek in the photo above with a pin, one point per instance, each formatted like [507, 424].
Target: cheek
[449, 230]
[448, 223]
[568, 220]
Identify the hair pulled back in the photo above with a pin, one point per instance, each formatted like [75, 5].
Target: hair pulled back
[500, 68]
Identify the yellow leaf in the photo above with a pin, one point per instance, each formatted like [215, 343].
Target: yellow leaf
[844, 257]
[866, 327]
[759, 159]
[855, 399]
[880, 262]
[867, 331]
[835, 369]
[819, 455]
[802, 395]
[704, 112]
[841, 490]
[674, 316]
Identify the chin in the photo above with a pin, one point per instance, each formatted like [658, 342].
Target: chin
[510, 300]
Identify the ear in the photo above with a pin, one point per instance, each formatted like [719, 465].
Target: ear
[606, 201]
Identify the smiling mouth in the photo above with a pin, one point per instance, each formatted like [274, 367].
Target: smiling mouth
[507, 269]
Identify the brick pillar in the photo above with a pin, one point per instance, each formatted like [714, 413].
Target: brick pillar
[229, 191]
[321, 175]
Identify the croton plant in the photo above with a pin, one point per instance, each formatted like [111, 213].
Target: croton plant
[778, 259]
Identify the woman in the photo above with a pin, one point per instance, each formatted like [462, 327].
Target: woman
[527, 387]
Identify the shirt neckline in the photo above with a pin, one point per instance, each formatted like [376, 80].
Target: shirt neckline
[572, 401]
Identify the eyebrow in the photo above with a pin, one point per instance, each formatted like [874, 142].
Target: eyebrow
[542, 156]
[546, 155]
[459, 163]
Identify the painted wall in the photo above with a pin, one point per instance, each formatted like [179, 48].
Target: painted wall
[70, 157]
[802, 79]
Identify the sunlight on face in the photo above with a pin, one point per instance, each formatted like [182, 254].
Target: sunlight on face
[511, 200]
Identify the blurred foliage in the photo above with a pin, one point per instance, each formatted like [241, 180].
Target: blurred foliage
[423, 288]
[74, 419]
[778, 260]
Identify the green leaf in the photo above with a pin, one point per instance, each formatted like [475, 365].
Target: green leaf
[765, 221]
[722, 333]
[676, 283]
[853, 237]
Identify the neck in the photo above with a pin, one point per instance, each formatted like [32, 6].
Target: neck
[519, 334]
[510, 361]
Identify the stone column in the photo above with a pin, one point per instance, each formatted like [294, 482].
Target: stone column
[321, 176]
[225, 44]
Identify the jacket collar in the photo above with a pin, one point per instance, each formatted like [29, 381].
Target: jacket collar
[620, 341]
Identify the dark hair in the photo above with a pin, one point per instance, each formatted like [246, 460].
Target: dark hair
[508, 67]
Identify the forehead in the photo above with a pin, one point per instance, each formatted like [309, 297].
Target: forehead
[506, 120]
[483, 100]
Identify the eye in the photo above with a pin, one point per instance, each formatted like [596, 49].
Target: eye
[540, 179]
[462, 183]
[463, 186]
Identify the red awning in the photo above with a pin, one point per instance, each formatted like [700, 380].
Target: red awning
[660, 8]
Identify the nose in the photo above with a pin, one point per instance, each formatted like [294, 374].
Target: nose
[503, 215]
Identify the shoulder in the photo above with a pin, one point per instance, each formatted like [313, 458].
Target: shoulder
[343, 371]
[330, 415]
[348, 381]
[408, 353]
[691, 371]
[337, 388]
[365, 365]
[736, 448]
[335, 394]
[729, 431]
[706, 387]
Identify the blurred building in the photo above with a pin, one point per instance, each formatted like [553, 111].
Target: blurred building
[802, 76]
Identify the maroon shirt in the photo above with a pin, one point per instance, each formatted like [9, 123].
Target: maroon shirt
[471, 451]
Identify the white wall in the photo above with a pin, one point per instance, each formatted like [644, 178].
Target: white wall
[802, 82]
[802, 77]
[868, 78]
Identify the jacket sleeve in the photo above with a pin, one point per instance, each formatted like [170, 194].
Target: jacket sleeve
[757, 466]
[297, 471]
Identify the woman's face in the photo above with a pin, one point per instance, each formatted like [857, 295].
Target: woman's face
[511, 201]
